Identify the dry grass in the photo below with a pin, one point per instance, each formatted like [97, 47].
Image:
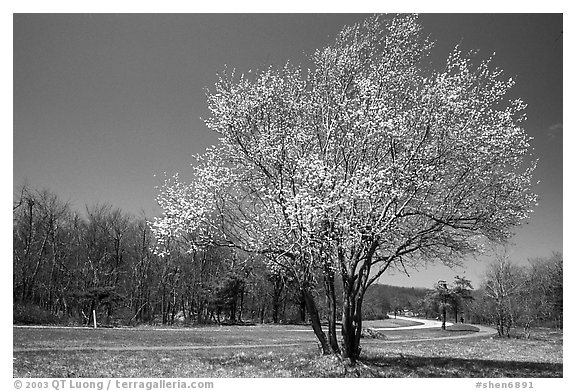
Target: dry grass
[102, 337]
[384, 323]
[476, 357]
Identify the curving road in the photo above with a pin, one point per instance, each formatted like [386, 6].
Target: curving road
[483, 331]
[426, 324]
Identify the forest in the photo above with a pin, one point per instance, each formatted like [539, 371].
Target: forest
[69, 264]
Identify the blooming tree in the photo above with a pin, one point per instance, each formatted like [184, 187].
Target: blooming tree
[253, 192]
[366, 162]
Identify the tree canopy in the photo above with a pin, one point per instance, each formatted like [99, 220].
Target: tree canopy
[366, 161]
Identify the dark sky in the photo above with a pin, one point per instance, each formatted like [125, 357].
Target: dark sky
[104, 102]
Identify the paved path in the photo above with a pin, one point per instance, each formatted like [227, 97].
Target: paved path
[426, 324]
[483, 331]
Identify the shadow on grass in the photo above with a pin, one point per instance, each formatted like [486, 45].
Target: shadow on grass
[417, 366]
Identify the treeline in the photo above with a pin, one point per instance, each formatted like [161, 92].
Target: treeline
[510, 296]
[67, 264]
[521, 296]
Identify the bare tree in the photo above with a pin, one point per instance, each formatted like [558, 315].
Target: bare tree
[38, 226]
[541, 296]
[503, 285]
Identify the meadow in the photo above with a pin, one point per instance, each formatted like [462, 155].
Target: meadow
[276, 351]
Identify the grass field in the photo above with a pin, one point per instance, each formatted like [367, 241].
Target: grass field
[390, 323]
[169, 337]
[288, 351]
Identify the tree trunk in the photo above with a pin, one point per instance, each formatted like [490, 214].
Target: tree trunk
[331, 301]
[109, 313]
[302, 307]
[315, 319]
[262, 313]
[275, 311]
[241, 304]
[527, 330]
[352, 317]
[233, 311]
[278, 287]
[200, 314]
[352, 326]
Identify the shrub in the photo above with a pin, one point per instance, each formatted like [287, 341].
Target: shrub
[31, 314]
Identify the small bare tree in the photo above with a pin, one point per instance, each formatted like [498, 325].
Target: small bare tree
[503, 285]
